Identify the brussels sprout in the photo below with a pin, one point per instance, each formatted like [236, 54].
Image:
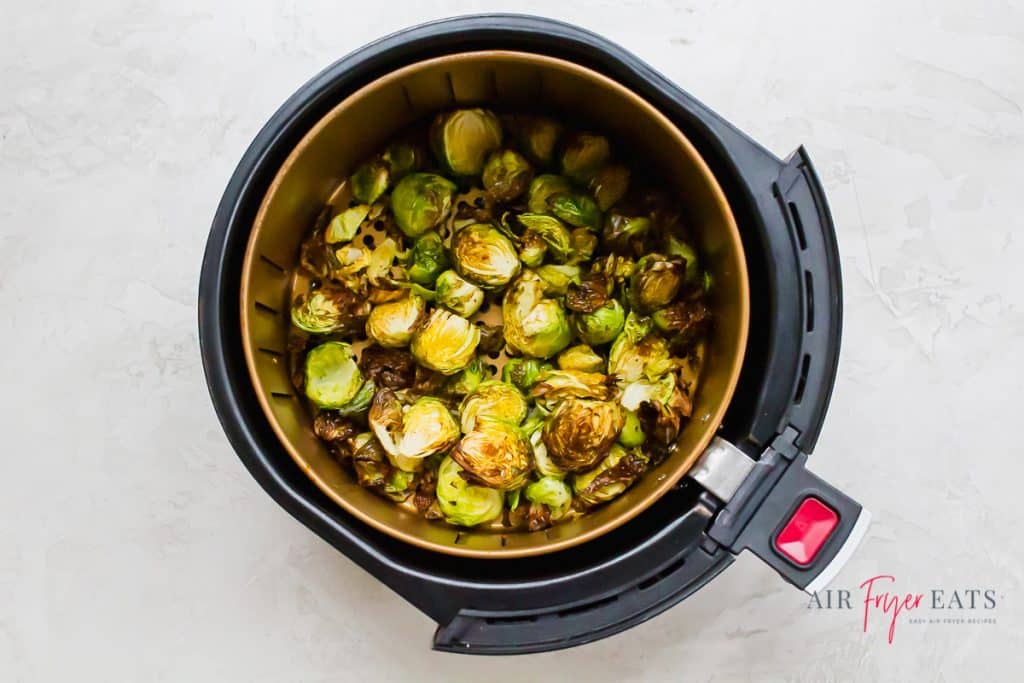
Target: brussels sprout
[532, 249]
[609, 185]
[557, 385]
[523, 372]
[484, 256]
[576, 209]
[662, 421]
[632, 434]
[380, 260]
[446, 342]
[333, 378]
[601, 326]
[360, 402]
[676, 247]
[655, 282]
[619, 469]
[644, 390]
[637, 352]
[344, 226]
[402, 159]
[534, 326]
[593, 291]
[537, 136]
[506, 175]
[542, 461]
[557, 279]
[428, 259]
[420, 202]
[552, 231]
[393, 324]
[457, 294]
[584, 155]
[624, 234]
[388, 368]
[584, 243]
[370, 180]
[373, 472]
[495, 454]
[580, 432]
[542, 188]
[462, 503]
[328, 310]
[550, 491]
[582, 358]
[684, 319]
[463, 138]
[493, 400]
[328, 425]
[348, 264]
[408, 436]
[468, 379]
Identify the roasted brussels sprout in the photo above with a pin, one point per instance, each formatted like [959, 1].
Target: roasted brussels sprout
[584, 155]
[462, 503]
[685, 321]
[593, 291]
[619, 469]
[638, 352]
[506, 175]
[328, 310]
[677, 247]
[328, 425]
[344, 226]
[584, 243]
[660, 404]
[557, 279]
[428, 259]
[544, 187]
[458, 294]
[553, 492]
[380, 260]
[581, 358]
[541, 460]
[576, 209]
[388, 368]
[348, 265]
[420, 202]
[625, 234]
[655, 282]
[552, 231]
[523, 372]
[493, 400]
[402, 159]
[332, 375]
[484, 256]
[417, 432]
[609, 185]
[370, 180]
[534, 326]
[632, 434]
[601, 326]
[462, 139]
[468, 379]
[554, 386]
[537, 136]
[495, 454]
[532, 249]
[580, 432]
[393, 324]
[445, 342]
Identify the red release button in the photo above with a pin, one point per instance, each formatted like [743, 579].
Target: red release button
[806, 531]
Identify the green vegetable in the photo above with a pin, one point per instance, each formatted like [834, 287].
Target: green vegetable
[344, 226]
[332, 375]
[462, 503]
[420, 202]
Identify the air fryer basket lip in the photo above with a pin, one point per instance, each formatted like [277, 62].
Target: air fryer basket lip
[638, 503]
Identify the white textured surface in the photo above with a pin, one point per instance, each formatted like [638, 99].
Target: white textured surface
[134, 546]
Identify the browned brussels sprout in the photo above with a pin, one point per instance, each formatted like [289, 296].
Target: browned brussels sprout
[462, 139]
[494, 454]
[506, 175]
[581, 431]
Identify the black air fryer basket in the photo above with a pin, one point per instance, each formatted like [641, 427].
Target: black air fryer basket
[750, 490]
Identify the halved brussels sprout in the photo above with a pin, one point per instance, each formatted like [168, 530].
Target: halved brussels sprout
[557, 278]
[684, 320]
[584, 243]
[328, 310]
[625, 234]
[328, 425]
[552, 231]
[632, 434]
[576, 209]
[619, 469]
[506, 175]
[655, 282]
[584, 155]
[417, 432]
[370, 180]
[534, 326]
[446, 342]
[523, 372]
[544, 187]
[332, 375]
[468, 379]
[388, 368]
[344, 226]
[462, 139]
[537, 136]
[638, 352]
[462, 503]
[495, 453]
[484, 256]
[557, 385]
[609, 185]
[532, 249]
[601, 326]
[493, 400]
[380, 260]
[427, 259]
[420, 202]
[582, 358]
[661, 406]
[393, 324]
[457, 294]
[550, 491]
[580, 432]
[643, 390]
[402, 159]
[593, 291]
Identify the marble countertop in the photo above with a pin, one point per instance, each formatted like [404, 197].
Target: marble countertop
[134, 545]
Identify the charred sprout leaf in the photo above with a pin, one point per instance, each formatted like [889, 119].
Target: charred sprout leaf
[655, 282]
[492, 338]
[661, 406]
[556, 280]
[463, 139]
[553, 492]
[458, 294]
[609, 185]
[639, 353]
[534, 326]
[467, 380]
[632, 434]
[462, 503]
[330, 426]
[420, 202]
[426, 382]
[552, 231]
[493, 400]
[484, 256]
[344, 226]
[601, 326]
[446, 342]
[402, 159]
[495, 454]
[576, 209]
[368, 461]
[593, 292]
[332, 375]
[428, 259]
[506, 175]
[393, 324]
[581, 358]
[537, 136]
[625, 234]
[544, 187]
[584, 243]
[619, 469]
[554, 386]
[370, 180]
[409, 435]
[581, 431]
[584, 155]
[684, 322]
[327, 310]
[523, 372]
[380, 261]
[532, 249]
[388, 368]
